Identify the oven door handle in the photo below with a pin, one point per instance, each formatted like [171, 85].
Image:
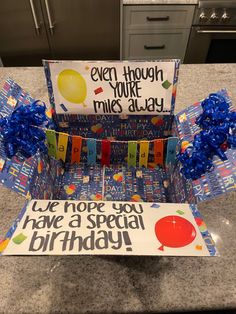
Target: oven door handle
[219, 31]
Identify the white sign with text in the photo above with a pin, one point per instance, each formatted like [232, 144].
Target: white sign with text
[133, 88]
[114, 228]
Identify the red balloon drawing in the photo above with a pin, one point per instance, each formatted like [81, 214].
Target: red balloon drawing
[174, 232]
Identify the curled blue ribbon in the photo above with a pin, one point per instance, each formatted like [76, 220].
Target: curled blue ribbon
[218, 134]
[20, 131]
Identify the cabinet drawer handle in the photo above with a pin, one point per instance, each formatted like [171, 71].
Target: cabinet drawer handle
[36, 23]
[154, 47]
[161, 18]
[51, 26]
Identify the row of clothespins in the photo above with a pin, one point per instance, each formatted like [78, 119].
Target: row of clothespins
[58, 144]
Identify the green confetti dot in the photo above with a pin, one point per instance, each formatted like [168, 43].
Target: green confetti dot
[19, 238]
[166, 84]
[180, 212]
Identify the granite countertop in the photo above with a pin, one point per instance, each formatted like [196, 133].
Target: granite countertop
[100, 284]
[160, 1]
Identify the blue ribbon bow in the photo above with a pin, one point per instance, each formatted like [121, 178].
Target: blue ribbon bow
[20, 131]
[218, 134]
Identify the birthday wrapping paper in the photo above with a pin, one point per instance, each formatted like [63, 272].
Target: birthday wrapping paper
[23, 176]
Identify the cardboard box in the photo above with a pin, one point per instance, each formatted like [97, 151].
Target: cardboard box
[115, 208]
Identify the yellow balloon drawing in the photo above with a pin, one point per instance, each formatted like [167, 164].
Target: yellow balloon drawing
[72, 86]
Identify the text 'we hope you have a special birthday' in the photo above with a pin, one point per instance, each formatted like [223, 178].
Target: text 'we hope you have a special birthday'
[101, 230]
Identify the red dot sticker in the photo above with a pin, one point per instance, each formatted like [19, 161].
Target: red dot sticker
[98, 90]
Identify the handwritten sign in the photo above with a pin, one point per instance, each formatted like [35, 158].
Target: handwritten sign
[133, 88]
[120, 228]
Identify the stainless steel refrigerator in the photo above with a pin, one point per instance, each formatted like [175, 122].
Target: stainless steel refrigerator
[31, 30]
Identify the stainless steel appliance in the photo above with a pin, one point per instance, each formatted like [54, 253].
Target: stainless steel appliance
[213, 34]
[65, 29]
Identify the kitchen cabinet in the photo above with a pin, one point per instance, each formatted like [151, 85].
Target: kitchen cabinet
[156, 31]
[31, 30]
[19, 39]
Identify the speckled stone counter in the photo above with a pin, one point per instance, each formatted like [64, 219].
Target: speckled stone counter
[93, 284]
[160, 2]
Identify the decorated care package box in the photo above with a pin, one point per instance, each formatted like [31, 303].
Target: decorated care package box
[110, 181]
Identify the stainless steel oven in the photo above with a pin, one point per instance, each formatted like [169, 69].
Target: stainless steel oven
[213, 34]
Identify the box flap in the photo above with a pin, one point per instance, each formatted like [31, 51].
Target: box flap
[108, 228]
[102, 87]
[33, 177]
[223, 178]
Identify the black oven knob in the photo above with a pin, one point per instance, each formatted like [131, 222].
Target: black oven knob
[225, 17]
[214, 17]
[203, 17]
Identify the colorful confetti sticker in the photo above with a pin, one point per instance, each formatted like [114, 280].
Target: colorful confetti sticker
[118, 177]
[203, 227]
[19, 238]
[154, 205]
[136, 198]
[86, 179]
[63, 107]
[12, 101]
[157, 121]
[139, 174]
[201, 224]
[70, 189]
[198, 247]
[98, 90]
[87, 67]
[2, 163]
[182, 118]
[166, 84]
[184, 146]
[3, 244]
[96, 197]
[97, 128]
[49, 113]
[180, 212]
[29, 197]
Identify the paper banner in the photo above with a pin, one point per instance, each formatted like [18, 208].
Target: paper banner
[158, 152]
[76, 149]
[171, 150]
[62, 146]
[106, 152]
[132, 154]
[143, 153]
[92, 151]
[52, 143]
